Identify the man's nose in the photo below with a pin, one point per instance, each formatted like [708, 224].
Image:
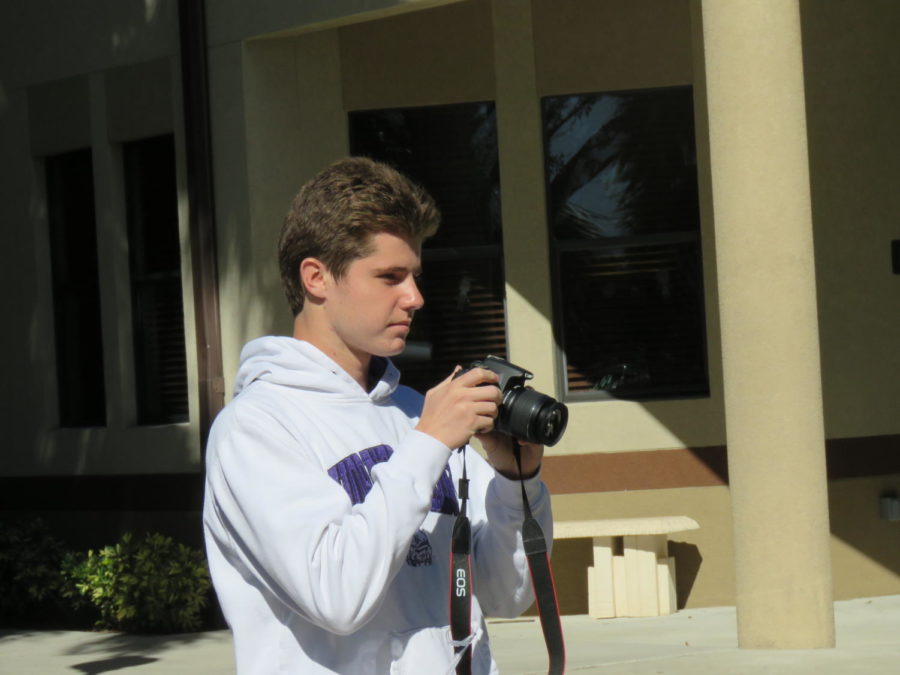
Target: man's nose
[412, 297]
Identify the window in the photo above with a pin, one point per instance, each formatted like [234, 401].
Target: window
[155, 265]
[76, 289]
[452, 152]
[625, 243]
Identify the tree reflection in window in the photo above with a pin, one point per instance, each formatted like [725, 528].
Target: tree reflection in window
[625, 241]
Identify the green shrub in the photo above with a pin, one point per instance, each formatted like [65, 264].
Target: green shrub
[152, 585]
[30, 577]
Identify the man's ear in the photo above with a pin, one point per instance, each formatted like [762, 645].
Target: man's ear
[314, 277]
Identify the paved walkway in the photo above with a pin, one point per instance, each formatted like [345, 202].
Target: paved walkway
[691, 641]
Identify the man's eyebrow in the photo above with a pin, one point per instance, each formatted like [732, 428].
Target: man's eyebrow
[399, 268]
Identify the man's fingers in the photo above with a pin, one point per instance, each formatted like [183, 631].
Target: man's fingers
[476, 376]
[451, 376]
[485, 426]
[490, 395]
[486, 409]
[461, 406]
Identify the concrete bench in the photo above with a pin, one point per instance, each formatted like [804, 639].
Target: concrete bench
[633, 574]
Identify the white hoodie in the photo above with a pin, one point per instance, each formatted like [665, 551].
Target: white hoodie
[328, 521]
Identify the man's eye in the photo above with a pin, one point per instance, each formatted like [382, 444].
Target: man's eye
[392, 278]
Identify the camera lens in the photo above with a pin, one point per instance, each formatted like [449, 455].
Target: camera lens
[531, 416]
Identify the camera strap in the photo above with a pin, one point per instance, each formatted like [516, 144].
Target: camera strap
[461, 580]
[541, 579]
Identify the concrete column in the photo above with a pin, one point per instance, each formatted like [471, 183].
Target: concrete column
[112, 261]
[770, 344]
[521, 153]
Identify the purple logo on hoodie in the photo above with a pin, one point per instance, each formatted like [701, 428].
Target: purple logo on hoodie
[353, 473]
[419, 550]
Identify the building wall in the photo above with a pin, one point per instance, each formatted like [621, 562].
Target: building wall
[74, 78]
[850, 60]
[282, 78]
[445, 55]
[448, 55]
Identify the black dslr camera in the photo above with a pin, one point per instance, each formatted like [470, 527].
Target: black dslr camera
[524, 414]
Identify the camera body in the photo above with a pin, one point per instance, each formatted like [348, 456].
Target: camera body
[524, 414]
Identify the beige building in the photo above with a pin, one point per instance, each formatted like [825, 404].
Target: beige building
[756, 309]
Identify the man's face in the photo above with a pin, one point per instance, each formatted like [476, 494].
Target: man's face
[371, 307]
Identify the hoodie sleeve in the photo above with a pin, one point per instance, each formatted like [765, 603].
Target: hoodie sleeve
[501, 567]
[291, 530]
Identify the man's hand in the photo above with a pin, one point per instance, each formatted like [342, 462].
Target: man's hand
[499, 449]
[457, 409]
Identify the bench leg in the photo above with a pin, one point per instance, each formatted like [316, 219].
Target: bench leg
[601, 602]
[642, 553]
[620, 584]
[666, 582]
[638, 582]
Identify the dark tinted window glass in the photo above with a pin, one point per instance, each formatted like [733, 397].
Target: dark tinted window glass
[76, 290]
[624, 223]
[452, 152]
[154, 250]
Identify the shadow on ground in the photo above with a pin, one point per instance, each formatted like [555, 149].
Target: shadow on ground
[110, 664]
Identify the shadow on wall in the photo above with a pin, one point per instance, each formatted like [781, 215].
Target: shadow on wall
[572, 555]
[687, 566]
[62, 37]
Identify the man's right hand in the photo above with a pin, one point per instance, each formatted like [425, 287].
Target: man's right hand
[458, 408]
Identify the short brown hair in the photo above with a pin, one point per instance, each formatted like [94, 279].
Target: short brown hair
[335, 214]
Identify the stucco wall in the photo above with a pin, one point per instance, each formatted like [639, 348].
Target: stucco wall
[70, 78]
[279, 108]
[851, 61]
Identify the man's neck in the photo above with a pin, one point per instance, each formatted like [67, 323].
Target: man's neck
[354, 364]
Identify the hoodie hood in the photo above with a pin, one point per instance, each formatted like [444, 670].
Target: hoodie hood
[294, 363]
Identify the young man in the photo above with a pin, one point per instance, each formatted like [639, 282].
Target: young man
[331, 490]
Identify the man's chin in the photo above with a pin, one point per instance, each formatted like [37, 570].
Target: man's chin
[415, 351]
[393, 348]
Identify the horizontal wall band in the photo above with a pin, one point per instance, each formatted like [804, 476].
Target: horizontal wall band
[566, 474]
[156, 492]
[703, 467]
[643, 470]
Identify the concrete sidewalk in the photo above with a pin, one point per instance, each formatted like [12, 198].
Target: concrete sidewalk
[691, 641]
